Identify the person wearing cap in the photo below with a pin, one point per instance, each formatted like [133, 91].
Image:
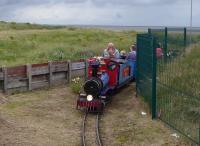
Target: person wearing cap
[111, 51]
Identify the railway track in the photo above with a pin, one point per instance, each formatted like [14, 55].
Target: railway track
[83, 135]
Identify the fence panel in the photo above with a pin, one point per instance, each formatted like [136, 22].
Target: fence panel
[16, 79]
[178, 98]
[146, 71]
[176, 42]
[1, 79]
[161, 39]
[78, 69]
[59, 72]
[36, 76]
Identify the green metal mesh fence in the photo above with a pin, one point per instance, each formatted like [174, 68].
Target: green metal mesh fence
[146, 71]
[194, 34]
[177, 83]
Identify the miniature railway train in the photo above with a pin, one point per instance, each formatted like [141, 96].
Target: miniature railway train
[105, 75]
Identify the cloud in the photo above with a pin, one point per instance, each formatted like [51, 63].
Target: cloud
[133, 2]
[62, 13]
[100, 12]
[36, 2]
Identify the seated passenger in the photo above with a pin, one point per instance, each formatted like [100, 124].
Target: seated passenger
[159, 51]
[111, 51]
[123, 54]
[132, 53]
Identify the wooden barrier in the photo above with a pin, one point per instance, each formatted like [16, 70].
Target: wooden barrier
[35, 76]
[1, 79]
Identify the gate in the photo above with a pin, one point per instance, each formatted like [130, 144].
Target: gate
[146, 70]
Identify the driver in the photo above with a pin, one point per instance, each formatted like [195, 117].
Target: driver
[111, 51]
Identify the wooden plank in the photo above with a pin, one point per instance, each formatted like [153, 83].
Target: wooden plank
[60, 67]
[59, 62]
[40, 70]
[14, 79]
[1, 79]
[78, 73]
[59, 76]
[39, 65]
[17, 71]
[40, 78]
[40, 84]
[5, 78]
[50, 73]
[1, 75]
[16, 83]
[16, 90]
[78, 65]
[29, 76]
[69, 71]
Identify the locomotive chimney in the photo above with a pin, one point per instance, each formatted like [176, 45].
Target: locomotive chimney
[95, 66]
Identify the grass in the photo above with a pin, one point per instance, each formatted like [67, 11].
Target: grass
[25, 26]
[15, 105]
[38, 44]
[183, 72]
[129, 126]
[49, 117]
[45, 117]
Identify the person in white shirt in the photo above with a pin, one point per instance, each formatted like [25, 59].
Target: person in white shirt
[111, 51]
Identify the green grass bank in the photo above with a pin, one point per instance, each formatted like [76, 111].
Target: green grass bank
[31, 43]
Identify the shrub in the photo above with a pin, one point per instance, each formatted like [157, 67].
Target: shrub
[11, 37]
[76, 85]
[57, 54]
[72, 28]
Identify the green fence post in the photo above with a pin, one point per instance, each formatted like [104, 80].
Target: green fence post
[137, 62]
[154, 62]
[185, 38]
[199, 133]
[149, 30]
[165, 44]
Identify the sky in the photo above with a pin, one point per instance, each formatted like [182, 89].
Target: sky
[101, 12]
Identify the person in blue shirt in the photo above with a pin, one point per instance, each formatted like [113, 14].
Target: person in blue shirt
[111, 51]
[132, 57]
[132, 53]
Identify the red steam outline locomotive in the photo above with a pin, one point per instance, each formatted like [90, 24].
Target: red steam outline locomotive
[105, 75]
